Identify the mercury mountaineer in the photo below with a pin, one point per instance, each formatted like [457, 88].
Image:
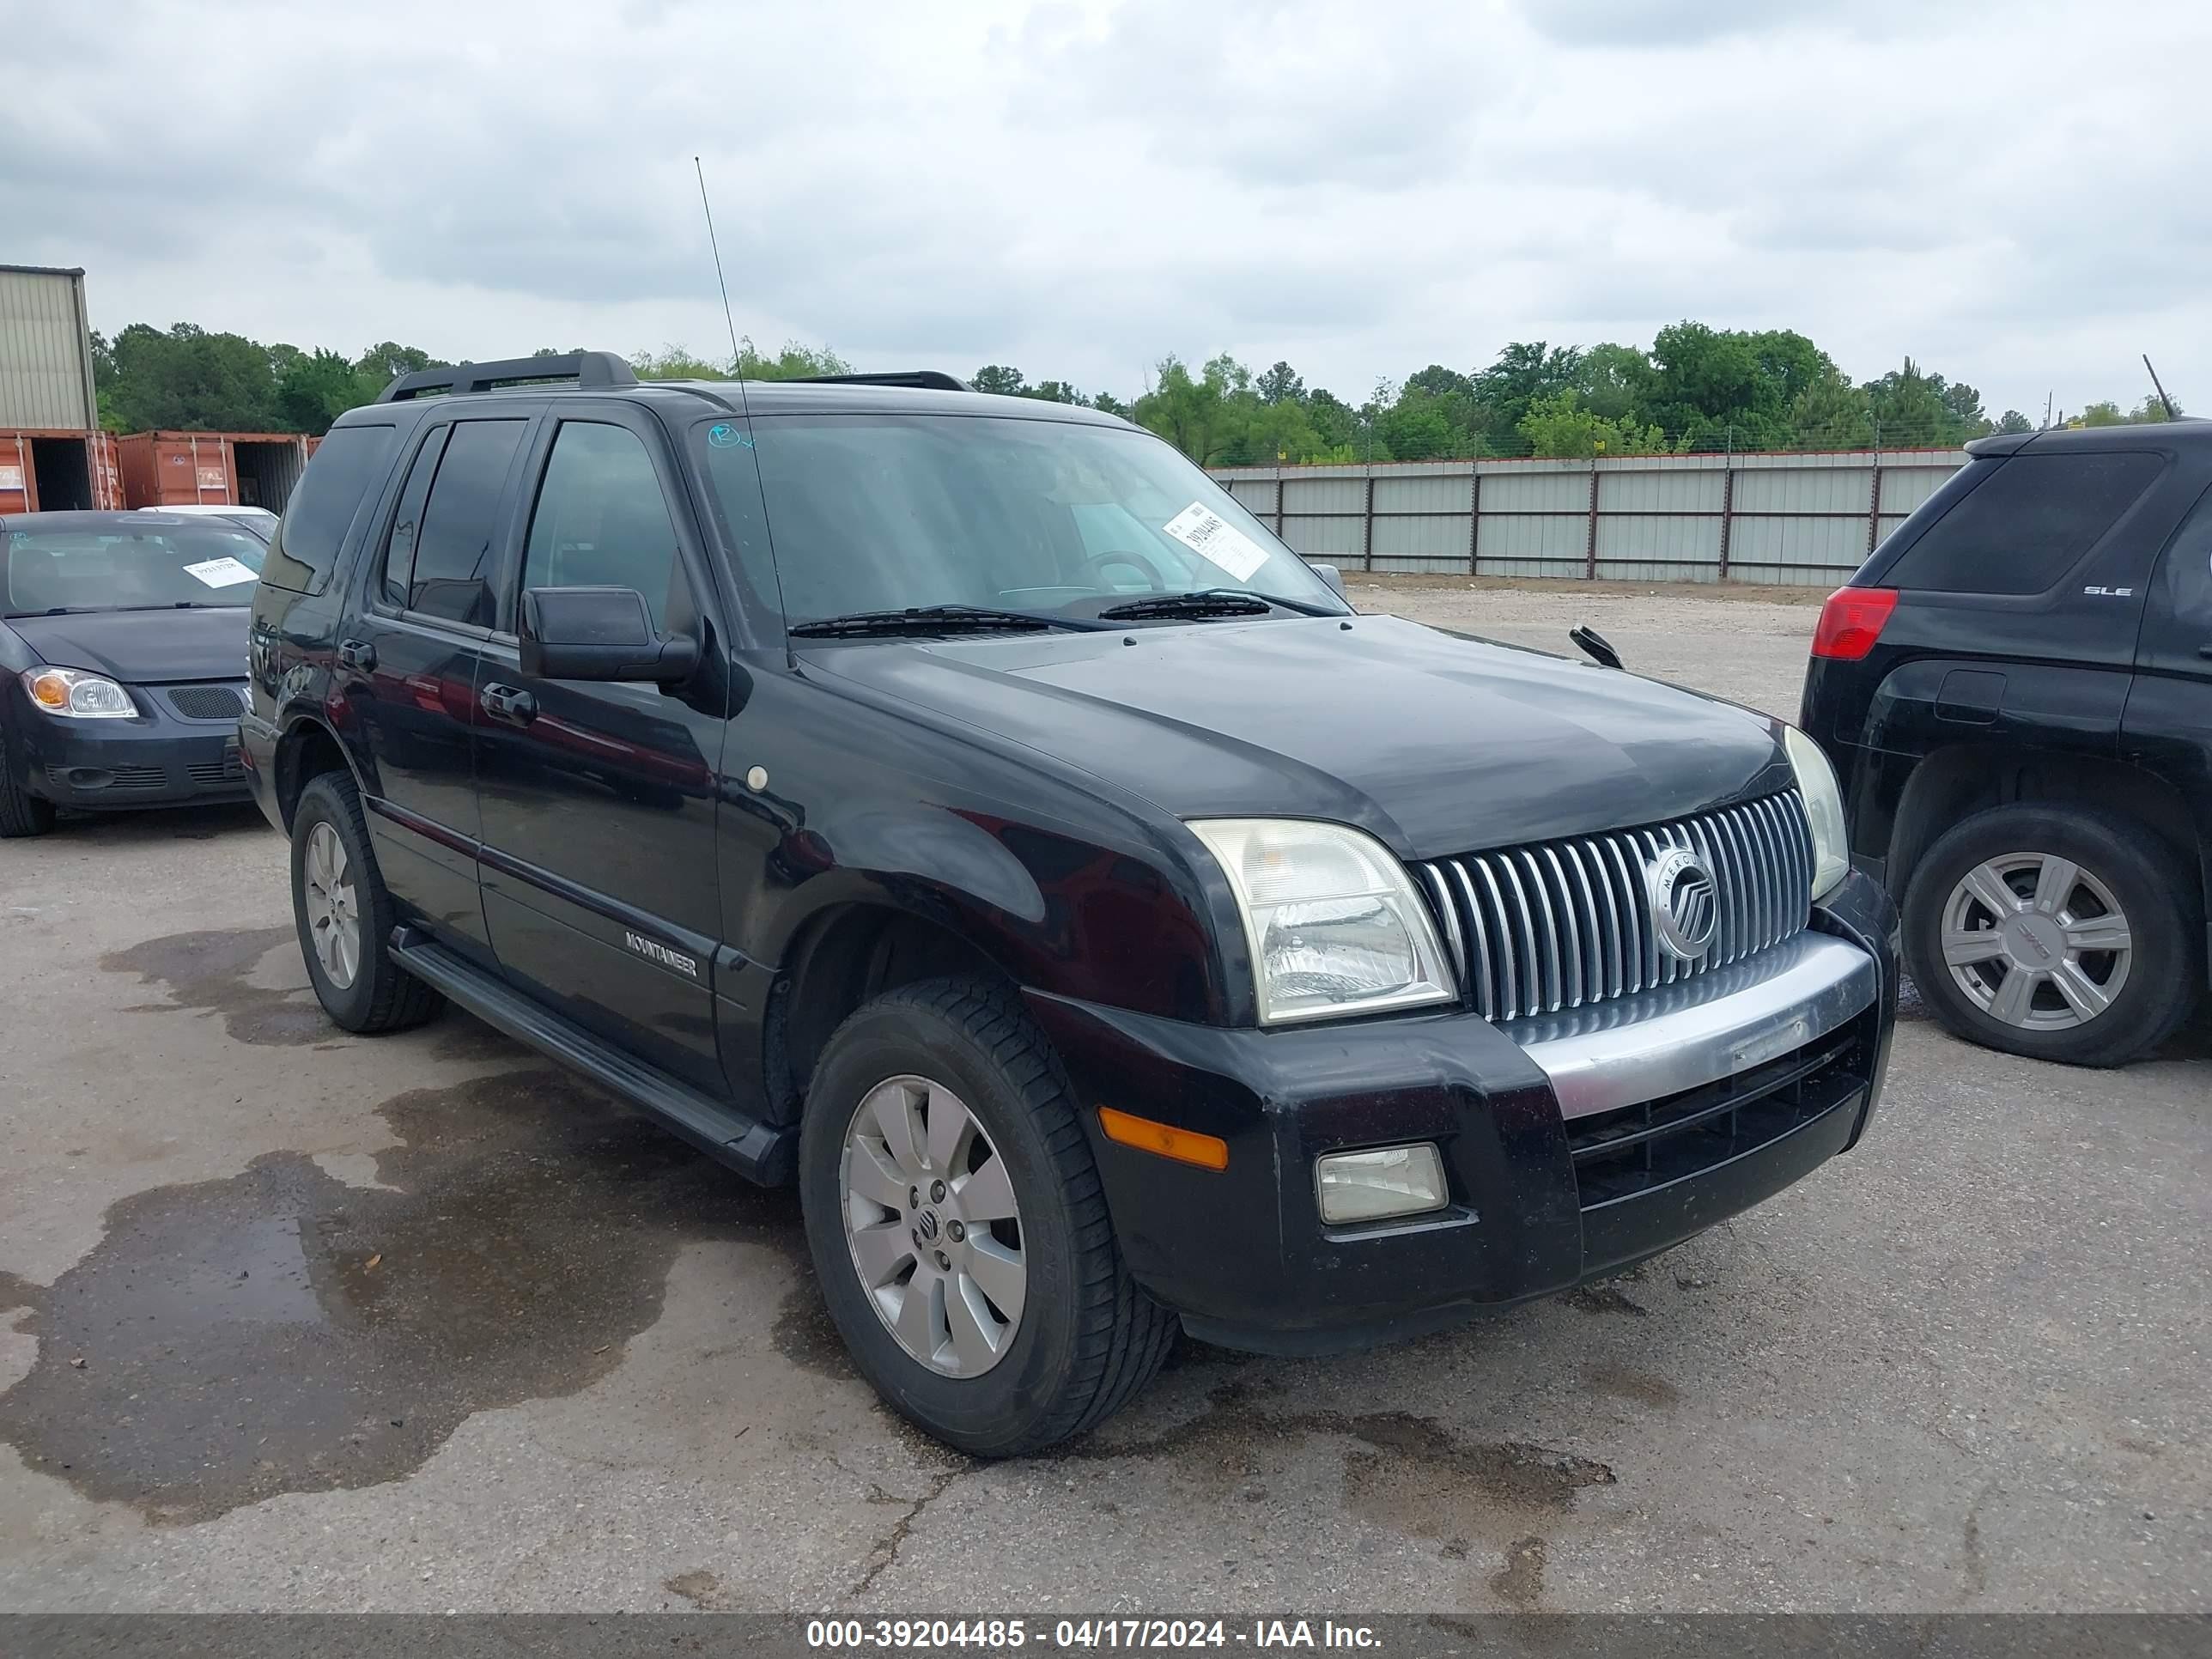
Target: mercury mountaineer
[961, 806]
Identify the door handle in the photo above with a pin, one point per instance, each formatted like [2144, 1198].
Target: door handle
[508, 703]
[357, 654]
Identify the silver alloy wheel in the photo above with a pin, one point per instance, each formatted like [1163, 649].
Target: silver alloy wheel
[333, 912]
[2036, 941]
[932, 1227]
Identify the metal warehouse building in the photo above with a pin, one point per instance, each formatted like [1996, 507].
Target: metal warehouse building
[52, 454]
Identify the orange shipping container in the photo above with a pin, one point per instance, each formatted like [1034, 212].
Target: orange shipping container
[44, 471]
[211, 469]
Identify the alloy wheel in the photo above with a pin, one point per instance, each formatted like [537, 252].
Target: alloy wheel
[2036, 941]
[932, 1227]
[333, 909]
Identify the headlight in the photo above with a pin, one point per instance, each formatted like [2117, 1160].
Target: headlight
[1332, 920]
[1824, 808]
[72, 692]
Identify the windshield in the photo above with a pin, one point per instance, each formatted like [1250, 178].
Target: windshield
[110, 567]
[873, 513]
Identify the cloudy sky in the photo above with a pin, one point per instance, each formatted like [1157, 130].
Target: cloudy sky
[2015, 195]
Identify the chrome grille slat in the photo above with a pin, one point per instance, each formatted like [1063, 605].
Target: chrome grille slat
[1608, 922]
[1455, 939]
[1521, 928]
[1571, 932]
[1508, 951]
[1566, 924]
[1548, 936]
[1486, 997]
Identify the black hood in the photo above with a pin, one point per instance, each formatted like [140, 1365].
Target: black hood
[1436, 743]
[142, 646]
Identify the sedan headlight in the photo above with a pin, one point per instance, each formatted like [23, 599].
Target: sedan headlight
[1335, 924]
[77, 695]
[1824, 808]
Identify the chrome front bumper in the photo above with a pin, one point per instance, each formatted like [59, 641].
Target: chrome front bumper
[1699, 1030]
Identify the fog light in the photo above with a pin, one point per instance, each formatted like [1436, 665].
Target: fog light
[1389, 1180]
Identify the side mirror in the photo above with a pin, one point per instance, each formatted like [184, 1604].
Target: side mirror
[1334, 578]
[599, 634]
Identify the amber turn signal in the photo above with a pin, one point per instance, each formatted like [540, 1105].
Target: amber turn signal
[49, 691]
[1184, 1146]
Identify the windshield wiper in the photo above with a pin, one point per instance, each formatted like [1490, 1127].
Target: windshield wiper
[937, 619]
[1209, 602]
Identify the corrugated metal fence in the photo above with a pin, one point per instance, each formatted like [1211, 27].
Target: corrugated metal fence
[1789, 518]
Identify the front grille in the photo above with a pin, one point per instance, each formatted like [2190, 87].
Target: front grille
[1565, 923]
[1620, 1154]
[208, 702]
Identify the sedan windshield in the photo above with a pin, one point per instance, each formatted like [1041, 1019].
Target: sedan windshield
[879, 513]
[120, 566]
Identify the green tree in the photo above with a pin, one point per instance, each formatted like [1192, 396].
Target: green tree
[1908, 410]
[1831, 414]
[1107, 402]
[2104, 413]
[1613, 381]
[998, 379]
[1557, 424]
[1522, 372]
[1418, 427]
[2013, 421]
[387, 360]
[318, 388]
[1280, 385]
[187, 379]
[675, 362]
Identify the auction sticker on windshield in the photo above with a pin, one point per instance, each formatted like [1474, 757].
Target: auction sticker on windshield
[220, 573]
[1213, 537]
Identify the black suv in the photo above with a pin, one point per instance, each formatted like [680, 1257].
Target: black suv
[960, 805]
[2016, 690]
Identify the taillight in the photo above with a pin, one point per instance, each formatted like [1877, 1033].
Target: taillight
[1851, 621]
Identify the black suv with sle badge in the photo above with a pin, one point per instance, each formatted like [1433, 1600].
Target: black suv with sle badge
[961, 806]
[2016, 690]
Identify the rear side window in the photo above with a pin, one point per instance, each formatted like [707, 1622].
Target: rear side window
[2029, 522]
[346, 465]
[452, 575]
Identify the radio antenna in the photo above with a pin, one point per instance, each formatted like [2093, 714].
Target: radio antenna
[2160, 390]
[736, 353]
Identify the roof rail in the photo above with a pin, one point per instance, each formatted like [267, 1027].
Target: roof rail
[587, 368]
[929, 379]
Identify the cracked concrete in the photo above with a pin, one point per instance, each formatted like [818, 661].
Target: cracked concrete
[1964, 1367]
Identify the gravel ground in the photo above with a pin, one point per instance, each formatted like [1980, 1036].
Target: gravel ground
[302, 1320]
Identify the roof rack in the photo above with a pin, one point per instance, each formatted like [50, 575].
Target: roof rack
[929, 379]
[587, 368]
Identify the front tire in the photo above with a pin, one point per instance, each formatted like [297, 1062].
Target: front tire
[939, 1107]
[21, 813]
[345, 916]
[2058, 932]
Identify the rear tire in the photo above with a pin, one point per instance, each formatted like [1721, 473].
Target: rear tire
[1086, 1338]
[1999, 913]
[364, 990]
[21, 813]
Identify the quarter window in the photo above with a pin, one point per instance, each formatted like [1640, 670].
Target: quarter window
[2027, 524]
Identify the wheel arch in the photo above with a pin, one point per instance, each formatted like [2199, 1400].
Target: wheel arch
[1957, 782]
[308, 749]
[848, 952]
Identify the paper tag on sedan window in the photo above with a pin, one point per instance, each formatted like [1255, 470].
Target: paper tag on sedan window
[1211, 537]
[220, 573]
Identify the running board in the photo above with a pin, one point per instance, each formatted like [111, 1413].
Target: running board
[758, 1151]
